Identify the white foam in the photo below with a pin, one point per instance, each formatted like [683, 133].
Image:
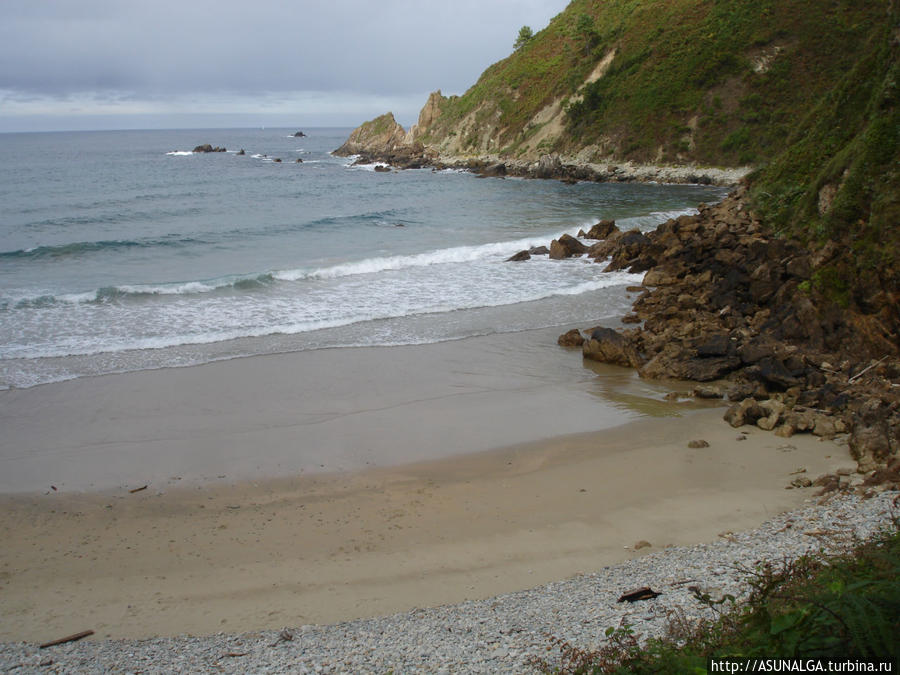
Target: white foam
[456, 254]
[180, 153]
[651, 220]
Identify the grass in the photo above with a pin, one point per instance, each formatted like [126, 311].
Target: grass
[844, 607]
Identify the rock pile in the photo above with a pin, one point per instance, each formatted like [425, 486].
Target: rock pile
[725, 301]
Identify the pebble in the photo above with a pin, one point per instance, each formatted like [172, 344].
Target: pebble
[503, 634]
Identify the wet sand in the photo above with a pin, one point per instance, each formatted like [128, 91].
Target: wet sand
[427, 514]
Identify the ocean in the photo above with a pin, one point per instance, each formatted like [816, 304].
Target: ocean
[123, 250]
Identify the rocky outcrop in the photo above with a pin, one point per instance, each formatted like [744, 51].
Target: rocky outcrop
[726, 300]
[383, 140]
[427, 117]
[208, 148]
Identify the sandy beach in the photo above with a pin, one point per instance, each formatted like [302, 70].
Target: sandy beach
[442, 481]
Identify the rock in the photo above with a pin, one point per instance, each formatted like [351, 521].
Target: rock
[241, 152]
[539, 250]
[607, 346]
[298, 161]
[699, 443]
[381, 168]
[572, 338]
[548, 166]
[628, 247]
[869, 441]
[299, 134]
[713, 345]
[659, 277]
[277, 159]
[681, 364]
[379, 137]
[631, 318]
[208, 148]
[638, 545]
[773, 372]
[773, 410]
[566, 247]
[825, 427]
[518, 257]
[707, 392]
[494, 170]
[747, 411]
[601, 230]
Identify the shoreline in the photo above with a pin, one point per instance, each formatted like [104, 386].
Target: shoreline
[313, 411]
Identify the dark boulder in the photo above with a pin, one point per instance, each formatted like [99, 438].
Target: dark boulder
[773, 372]
[520, 256]
[206, 147]
[539, 250]
[493, 170]
[601, 230]
[299, 134]
[566, 247]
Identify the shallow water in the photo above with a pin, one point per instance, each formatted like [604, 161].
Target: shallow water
[125, 251]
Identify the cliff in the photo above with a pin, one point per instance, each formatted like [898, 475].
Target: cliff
[686, 82]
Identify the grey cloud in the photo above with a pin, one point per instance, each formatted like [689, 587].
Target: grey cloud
[392, 47]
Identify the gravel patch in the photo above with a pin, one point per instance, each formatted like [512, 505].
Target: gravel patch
[497, 635]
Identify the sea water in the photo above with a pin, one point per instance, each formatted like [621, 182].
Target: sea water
[124, 250]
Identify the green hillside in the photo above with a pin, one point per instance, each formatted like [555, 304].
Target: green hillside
[709, 81]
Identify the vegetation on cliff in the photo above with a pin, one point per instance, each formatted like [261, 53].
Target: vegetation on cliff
[717, 83]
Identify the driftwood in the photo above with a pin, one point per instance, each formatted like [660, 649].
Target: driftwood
[68, 638]
[143, 487]
[642, 593]
[865, 370]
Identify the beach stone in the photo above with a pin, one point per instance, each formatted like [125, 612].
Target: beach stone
[747, 411]
[700, 443]
[607, 346]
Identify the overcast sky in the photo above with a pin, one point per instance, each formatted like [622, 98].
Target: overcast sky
[117, 64]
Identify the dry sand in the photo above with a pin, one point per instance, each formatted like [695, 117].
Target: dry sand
[425, 515]
[328, 548]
